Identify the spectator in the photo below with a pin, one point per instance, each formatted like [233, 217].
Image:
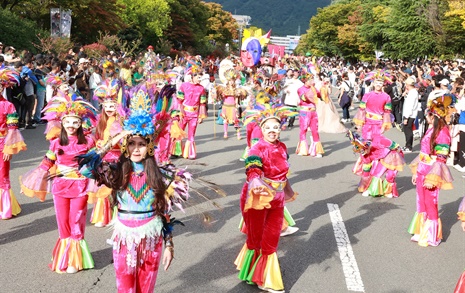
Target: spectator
[409, 113]
[31, 80]
[40, 90]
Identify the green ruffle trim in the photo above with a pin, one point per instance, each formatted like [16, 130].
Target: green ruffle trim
[255, 161]
[87, 260]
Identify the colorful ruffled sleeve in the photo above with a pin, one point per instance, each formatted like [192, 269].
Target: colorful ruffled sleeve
[35, 182]
[461, 212]
[387, 121]
[259, 194]
[359, 118]
[14, 141]
[439, 174]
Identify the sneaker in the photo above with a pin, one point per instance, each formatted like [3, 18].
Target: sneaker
[399, 127]
[344, 120]
[270, 290]
[42, 122]
[366, 193]
[21, 126]
[99, 225]
[30, 126]
[389, 195]
[71, 270]
[406, 150]
[458, 168]
[318, 156]
[289, 230]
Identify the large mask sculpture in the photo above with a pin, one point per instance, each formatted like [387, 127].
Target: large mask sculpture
[251, 52]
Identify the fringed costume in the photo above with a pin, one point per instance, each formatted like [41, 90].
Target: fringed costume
[11, 143]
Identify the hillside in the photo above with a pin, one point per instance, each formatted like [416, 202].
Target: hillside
[283, 17]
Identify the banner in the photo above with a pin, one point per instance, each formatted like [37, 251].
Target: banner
[276, 50]
[60, 23]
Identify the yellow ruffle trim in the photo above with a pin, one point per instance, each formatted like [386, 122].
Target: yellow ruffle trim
[259, 200]
[14, 148]
[32, 193]
[437, 181]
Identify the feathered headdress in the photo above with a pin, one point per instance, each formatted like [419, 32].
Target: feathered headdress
[107, 92]
[379, 74]
[438, 106]
[306, 76]
[230, 74]
[8, 77]
[264, 112]
[358, 144]
[54, 80]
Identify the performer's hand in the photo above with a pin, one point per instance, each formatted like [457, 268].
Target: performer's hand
[405, 121]
[200, 120]
[167, 258]
[414, 179]
[383, 128]
[428, 185]
[6, 157]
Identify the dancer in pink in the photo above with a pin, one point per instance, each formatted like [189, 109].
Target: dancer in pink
[109, 124]
[143, 194]
[262, 205]
[308, 118]
[192, 100]
[374, 114]
[231, 98]
[379, 158]
[69, 187]
[11, 143]
[430, 174]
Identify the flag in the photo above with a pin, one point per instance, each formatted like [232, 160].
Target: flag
[265, 39]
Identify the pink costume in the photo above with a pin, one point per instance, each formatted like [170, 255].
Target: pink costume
[11, 142]
[266, 167]
[373, 114]
[69, 189]
[192, 100]
[231, 97]
[253, 134]
[308, 118]
[460, 287]
[102, 212]
[430, 168]
[382, 159]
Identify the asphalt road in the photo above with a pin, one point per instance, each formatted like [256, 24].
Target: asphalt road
[205, 250]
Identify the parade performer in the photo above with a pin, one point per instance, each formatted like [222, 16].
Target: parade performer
[262, 204]
[11, 143]
[380, 157]
[109, 124]
[328, 117]
[192, 100]
[231, 98]
[374, 114]
[308, 118]
[69, 187]
[143, 193]
[430, 174]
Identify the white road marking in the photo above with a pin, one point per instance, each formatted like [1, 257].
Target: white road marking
[346, 254]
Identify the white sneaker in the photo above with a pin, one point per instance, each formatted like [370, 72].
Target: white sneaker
[71, 270]
[289, 230]
[388, 195]
[458, 168]
[366, 193]
[99, 225]
[318, 156]
[343, 120]
[270, 290]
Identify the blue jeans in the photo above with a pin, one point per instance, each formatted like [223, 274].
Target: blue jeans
[40, 105]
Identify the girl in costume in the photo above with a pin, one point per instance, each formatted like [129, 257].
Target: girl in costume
[374, 114]
[69, 187]
[109, 124]
[380, 157]
[231, 98]
[143, 193]
[262, 204]
[308, 118]
[11, 143]
[430, 174]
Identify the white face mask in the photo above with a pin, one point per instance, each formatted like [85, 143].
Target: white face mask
[110, 107]
[271, 127]
[73, 122]
[68, 67]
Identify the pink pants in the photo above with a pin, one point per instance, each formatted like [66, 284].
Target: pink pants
[427, 200]
[141, 279]
[191, 121]
[309, 119]
[71, 216]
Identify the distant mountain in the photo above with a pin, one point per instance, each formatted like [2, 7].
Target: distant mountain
[282, 16]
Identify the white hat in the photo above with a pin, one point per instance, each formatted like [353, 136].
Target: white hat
[410, 81]
[445, 81]
[83, 60]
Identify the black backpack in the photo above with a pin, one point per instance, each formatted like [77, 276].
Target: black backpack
[351, 92]
[396, 96]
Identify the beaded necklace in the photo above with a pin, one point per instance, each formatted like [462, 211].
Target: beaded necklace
[137, 186]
